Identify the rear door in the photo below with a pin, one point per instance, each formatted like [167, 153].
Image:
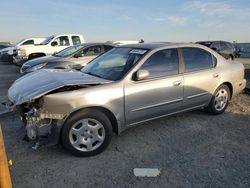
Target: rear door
[201, 76]
[161, 93]
[75, 40]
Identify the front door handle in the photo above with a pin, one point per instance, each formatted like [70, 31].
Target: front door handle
[177, 83]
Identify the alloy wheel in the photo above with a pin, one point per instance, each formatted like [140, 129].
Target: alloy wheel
[221, 99]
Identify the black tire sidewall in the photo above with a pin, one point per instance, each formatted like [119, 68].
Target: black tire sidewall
[89, 113]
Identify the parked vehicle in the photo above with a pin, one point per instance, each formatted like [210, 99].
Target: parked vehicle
[226, 49]
[4, 45]
[50, 45]
[8, 52]
[126, 86]
[74, 57]
[243, 49]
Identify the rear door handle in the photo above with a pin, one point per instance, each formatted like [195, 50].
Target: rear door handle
[177, 83]
[216, 75]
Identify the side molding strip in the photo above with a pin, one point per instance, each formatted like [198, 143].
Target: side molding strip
[156, 105]
[197, 95]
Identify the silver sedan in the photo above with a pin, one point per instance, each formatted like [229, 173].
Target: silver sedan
[126, 86]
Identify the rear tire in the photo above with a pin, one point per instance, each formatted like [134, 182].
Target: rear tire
[219, 101]
[86, 133]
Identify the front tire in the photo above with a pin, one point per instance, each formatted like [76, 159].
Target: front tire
[87, 133]
[219, 101]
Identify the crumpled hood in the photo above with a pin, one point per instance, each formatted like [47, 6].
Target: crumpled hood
[41, 60]
[34, 85]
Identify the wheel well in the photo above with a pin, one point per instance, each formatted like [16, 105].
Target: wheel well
[107, 112]
[229, 85]
[36, 55]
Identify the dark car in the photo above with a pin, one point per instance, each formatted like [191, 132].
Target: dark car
[74, 57]
[3, 53]
[4, 45]
[226, 49]
[243, 49]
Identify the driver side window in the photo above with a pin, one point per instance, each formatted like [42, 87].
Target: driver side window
[162, 63]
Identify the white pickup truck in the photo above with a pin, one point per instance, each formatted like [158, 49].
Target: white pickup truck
[50, 45]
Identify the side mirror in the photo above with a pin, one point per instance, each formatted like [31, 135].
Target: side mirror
[141, 75]
[54, 43]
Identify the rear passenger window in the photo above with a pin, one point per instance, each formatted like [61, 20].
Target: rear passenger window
[93, 51]
[197, 59]
[76, 40]
[223, 46]
[162, 63]
[215, 45]
[229, 45]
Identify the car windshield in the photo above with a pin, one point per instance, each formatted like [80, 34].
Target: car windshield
[114, 64]
[68, 51]
[47, 40]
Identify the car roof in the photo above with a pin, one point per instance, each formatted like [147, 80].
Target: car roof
[155, 45]
[210, 41]
[88, 44]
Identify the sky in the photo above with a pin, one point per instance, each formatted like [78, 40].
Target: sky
[150, 20]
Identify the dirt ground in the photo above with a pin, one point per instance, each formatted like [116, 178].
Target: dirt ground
[192, 149]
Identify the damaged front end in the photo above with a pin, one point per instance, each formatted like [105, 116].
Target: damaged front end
[40, 124]
[28, 94]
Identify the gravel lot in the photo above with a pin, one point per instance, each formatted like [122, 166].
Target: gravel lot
[191, 149]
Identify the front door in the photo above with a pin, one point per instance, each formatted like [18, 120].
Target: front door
[59, 44]
[159, 94]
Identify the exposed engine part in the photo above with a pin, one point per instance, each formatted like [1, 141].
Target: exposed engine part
[36, 126]
[36, 129]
